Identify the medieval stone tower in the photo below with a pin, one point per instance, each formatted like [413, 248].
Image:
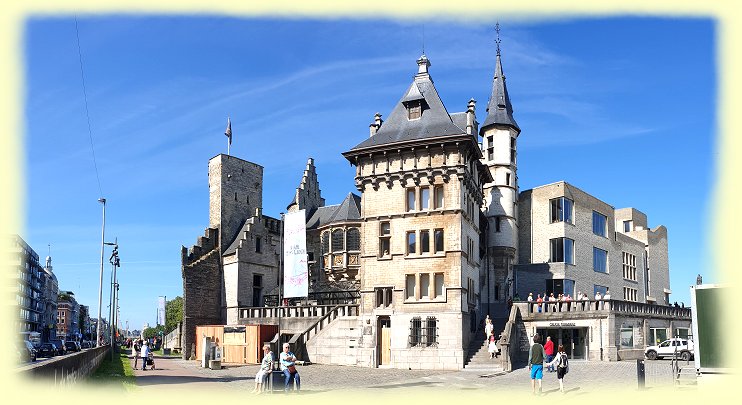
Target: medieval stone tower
[499, 149]
[235, 192]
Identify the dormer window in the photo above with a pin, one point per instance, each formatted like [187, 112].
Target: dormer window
[414, 109]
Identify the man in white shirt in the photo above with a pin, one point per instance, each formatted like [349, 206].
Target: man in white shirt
[288, 367]
[144, 353]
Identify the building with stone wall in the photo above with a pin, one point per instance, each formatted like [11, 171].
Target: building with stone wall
[572, 243]
[440, 236]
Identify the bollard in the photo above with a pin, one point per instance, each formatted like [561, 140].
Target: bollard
[640, 373]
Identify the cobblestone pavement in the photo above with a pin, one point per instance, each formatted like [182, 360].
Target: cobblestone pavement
[584, 377]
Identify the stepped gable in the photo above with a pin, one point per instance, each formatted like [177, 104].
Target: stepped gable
[204, 245]
[434, 122]
[308, 195]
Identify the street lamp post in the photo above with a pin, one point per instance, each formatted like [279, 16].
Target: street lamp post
[114, 260]
[100, 281]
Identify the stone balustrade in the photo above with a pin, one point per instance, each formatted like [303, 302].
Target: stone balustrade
[549, 309]
[299, 311]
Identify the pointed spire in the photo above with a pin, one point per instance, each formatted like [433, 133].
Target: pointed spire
[499, 108]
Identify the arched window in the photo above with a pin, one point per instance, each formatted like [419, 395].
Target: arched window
[354, 239]
[338, 241]
[325, 242]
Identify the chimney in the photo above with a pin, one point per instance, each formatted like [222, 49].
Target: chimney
[374, 127]
[470, 116]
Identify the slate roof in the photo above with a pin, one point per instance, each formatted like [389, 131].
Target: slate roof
[348, 210]
[499, 108]
[236, 242]
[434, 122]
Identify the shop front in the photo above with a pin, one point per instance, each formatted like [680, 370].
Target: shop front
[574, 337]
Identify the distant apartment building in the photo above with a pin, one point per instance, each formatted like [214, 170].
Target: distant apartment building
[51, 291]
[29, 292]
[68, 314]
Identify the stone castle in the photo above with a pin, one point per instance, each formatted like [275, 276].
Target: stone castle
[439, 237]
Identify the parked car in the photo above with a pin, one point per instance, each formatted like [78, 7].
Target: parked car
[61, 350]
[27, 351]
[71, 346]
[46, 350]
[670, 347]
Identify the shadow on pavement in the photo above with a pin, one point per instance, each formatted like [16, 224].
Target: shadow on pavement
[159, 379]
[406, 385]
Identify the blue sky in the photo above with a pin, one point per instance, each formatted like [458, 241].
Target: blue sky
[623, 108]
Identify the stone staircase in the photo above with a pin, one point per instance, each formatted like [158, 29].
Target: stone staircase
[686, 377]
[478, 358]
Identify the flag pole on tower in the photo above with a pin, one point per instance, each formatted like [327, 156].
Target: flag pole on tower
[228, 133]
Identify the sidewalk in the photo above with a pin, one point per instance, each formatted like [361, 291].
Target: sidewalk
[583, 378]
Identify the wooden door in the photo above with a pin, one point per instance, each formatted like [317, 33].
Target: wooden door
[385, 343]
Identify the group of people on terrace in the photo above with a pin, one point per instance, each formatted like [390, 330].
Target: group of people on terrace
[553, 303]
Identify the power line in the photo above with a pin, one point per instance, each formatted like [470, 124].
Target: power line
[87, 112]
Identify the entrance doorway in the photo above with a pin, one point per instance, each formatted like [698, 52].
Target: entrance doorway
[384, 344]
[573, 339]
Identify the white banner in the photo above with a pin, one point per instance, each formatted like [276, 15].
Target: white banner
[295, 274]
[161, 310]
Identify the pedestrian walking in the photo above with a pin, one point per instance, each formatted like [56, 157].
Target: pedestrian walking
[549, 352]
[266, 367]
[137, 348]
[561, 363]
[288, 367]
[492, 345]
[488, 327]
[536, 363]
[145, 353]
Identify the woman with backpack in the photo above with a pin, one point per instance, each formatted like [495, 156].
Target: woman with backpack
[562, 366]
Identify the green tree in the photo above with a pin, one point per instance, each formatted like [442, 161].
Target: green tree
[152, 332]
[173, 313]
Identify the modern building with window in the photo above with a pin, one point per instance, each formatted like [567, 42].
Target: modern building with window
[68, 316]
[29, 286]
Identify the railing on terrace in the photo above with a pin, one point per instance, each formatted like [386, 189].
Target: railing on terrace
[302, 311]
[534, 309]
[321, 298]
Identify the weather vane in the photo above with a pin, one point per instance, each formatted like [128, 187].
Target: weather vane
[497, 40]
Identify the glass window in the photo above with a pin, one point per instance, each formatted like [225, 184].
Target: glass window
[599, 224]
[354, 239]
[414, 109]
[415, 331]
[562, 250]
[599, 288]
[561, 210]
[438, 285]
[497, 224]
[338, 240]
[411, 248]
[438, 235]
[410, 199]
[257, 245]
[385, 228]
[600, 260]
[425, 241]
[569, 287]
[627, 225]
[424, 198]
[438, 197]
[627, 337]
[424, 285]
[410, 286]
